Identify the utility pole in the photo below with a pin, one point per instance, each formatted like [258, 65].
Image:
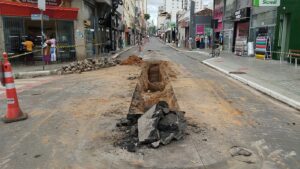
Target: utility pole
[135, 12]
[213, 29]
[42, 7]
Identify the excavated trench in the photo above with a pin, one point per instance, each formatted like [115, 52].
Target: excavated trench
[154, 118]
[153, 86]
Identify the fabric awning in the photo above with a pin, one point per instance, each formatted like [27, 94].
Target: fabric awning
[22, 9]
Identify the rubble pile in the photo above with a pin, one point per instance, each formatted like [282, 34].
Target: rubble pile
[132, 60]
[88, 65]
[157, 126]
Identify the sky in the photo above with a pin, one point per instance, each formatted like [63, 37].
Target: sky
[153, 8]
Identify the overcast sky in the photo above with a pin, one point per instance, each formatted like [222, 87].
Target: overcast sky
[153, 8]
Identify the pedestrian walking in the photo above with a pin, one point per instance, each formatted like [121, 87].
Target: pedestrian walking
[52, 40]
[197, 39]
[120, 42]
[47, 54]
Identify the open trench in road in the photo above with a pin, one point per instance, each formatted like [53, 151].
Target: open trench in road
[153, 86]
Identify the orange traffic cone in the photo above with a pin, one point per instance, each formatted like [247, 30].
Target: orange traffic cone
[14, 113]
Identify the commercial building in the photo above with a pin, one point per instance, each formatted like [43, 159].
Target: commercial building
[16, 24]
[192, 23]
[243, 21]
[129, 21]
[287, 28]
[81, 28]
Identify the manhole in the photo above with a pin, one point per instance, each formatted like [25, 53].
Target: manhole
[237, 72]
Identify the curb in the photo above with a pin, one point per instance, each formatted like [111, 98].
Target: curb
[33, 74]
[179, 50]
[293, 103]
[125, 50]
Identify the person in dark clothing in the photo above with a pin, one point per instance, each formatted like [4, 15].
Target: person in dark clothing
[107, 45]
[197, 39]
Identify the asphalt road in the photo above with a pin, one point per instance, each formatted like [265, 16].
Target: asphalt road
[265, 125]
[72, 121]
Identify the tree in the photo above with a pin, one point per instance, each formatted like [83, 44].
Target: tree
[147, 16]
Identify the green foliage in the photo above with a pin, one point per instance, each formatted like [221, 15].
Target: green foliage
[147, 16]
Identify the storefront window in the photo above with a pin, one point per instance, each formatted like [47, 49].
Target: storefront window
[13, 34]
[17, 30]
[65, 39]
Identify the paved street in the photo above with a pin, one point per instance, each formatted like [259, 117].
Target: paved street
[73, 117]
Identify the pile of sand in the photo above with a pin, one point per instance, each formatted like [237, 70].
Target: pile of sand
[132, 60]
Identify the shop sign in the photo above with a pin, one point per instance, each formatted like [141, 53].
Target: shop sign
[258, 3]
[38, 17]
[48, 2]
[208, 31]
[199, 29]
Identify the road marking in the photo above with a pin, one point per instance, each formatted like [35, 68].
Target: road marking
[26, 84]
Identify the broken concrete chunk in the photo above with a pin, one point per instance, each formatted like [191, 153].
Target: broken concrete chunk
[88, 65]
[240, 151]
[147, 125]
[156, 126]
[155, 144]
[166, 138]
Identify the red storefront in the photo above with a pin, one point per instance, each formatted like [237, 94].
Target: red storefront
[18, 24]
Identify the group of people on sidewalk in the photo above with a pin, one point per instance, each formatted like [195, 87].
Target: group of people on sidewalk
[49, 49]
[203, 41]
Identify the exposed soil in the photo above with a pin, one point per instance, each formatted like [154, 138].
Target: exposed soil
[132, 60]
[153, 86]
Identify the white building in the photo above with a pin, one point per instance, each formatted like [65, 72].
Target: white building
[172, 7]
[143, 5]
[199, 5]
[161, 19]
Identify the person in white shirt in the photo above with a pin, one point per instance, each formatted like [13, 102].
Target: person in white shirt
[53, 48]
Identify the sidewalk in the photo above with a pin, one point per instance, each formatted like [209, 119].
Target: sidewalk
[278, 80]
[205, 51]
[30, 71]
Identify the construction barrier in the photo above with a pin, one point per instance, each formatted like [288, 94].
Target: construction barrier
[14, 113]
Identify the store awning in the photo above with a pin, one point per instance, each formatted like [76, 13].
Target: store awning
[23, 9]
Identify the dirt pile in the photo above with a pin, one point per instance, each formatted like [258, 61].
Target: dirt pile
[88, 65]
[132, 60]
[157, 126]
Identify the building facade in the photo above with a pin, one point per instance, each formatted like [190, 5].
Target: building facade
[287, 28]
[129, 21]
[81, 28]
[172, 7]
[17, 24]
